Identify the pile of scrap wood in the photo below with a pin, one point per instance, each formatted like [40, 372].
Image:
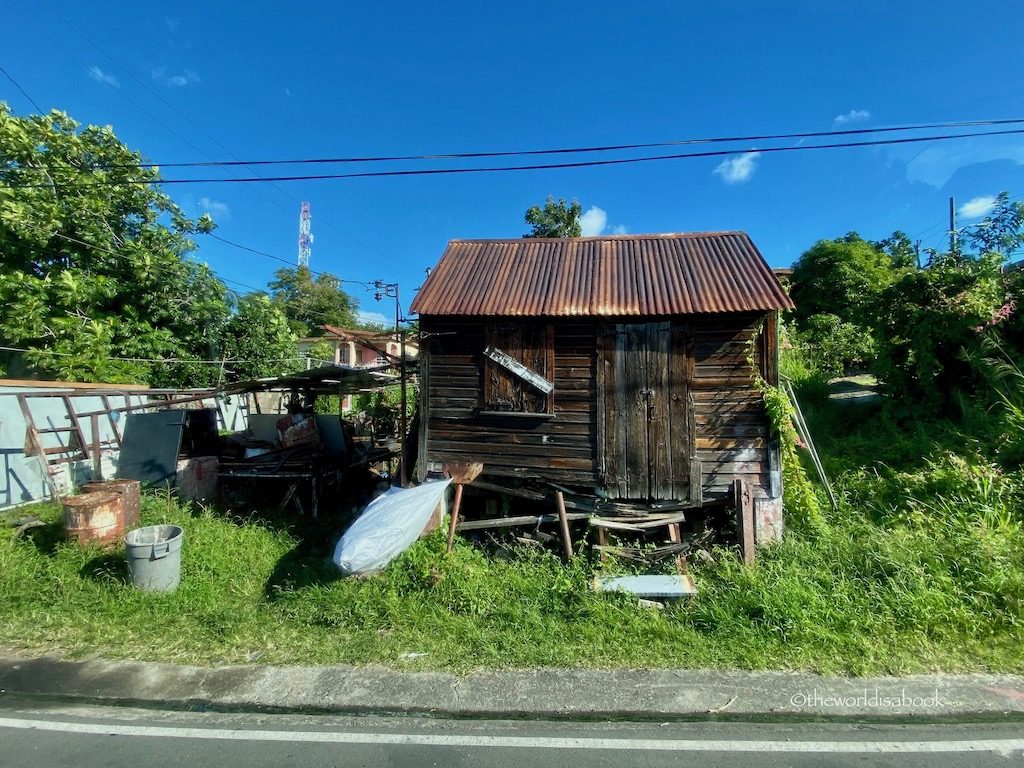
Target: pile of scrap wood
[684, 527]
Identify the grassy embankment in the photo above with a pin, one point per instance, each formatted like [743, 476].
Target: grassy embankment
[921, 569]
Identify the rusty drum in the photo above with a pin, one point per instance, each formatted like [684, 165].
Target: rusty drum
[94, 518]
[131, 495]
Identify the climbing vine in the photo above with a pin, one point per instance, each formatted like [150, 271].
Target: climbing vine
[799, 500]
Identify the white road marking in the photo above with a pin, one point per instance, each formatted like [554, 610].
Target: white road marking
[1001, 746]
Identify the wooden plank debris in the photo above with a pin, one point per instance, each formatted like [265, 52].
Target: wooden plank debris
[640, 526]
[520, 370]
[510, 522]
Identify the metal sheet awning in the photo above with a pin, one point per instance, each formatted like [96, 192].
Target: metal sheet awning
[327, 379]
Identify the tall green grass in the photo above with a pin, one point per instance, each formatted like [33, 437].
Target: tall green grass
[921, 568]
[887, 584]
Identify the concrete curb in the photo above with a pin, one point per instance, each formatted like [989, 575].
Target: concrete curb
[541, 693]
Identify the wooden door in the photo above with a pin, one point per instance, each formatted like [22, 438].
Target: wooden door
[643, 402]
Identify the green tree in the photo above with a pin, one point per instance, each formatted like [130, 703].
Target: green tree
[1002, 230]
[843, 277]
[555, 219]
[93, 269]
[321, 352]
[309, 303]
[932, 321]
[835, 347]
[258, 340]
[900, 250]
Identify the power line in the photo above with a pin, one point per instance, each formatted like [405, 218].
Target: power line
[544, 166]
[252, 288]
[171, 106]
[568, 150]
[206, 133]
[289, 262]
[121, 93]
[157, 359]
[24, 93]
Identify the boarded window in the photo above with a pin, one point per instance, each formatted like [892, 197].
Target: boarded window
[531, 345]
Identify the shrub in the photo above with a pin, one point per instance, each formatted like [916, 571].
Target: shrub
[835, 347]
[932, 324]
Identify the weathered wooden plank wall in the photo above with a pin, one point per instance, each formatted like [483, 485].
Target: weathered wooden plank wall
[731, 425]
[561, 449]
[729, 429]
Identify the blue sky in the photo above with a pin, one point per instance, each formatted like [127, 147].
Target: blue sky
[193, 80]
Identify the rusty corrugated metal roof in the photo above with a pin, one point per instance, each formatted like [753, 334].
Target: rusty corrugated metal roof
[671, 274]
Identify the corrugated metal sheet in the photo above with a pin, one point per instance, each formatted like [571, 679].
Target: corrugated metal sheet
[670, 274]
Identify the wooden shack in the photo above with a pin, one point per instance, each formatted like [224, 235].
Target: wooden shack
[617, 367]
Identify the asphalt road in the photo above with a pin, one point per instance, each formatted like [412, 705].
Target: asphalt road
[65, 735]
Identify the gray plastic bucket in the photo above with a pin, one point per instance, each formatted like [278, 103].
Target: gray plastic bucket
[154, 557]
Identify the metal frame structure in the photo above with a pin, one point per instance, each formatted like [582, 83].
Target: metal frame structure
[305, 235]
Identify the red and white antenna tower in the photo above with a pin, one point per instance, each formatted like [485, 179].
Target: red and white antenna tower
[305, 236]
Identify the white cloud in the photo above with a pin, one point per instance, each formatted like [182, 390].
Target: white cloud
[100, 76]
[188, 77]
[215, 208]
[593, 222]
[620, 229]
[853, 116]
[737, 170]
[376, 318]
[977, 207]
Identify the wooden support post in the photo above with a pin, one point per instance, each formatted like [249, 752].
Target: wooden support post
[566, 538]
[97, 457]
[456, 506]
[743, 500]
[602, 541]
[675, 537]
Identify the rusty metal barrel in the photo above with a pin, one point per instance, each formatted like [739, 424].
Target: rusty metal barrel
[131, 494]
[94, 518]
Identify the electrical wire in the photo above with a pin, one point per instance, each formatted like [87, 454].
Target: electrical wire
[543, 166]
[24, 93]
[252, 288]
[387, 258]
[157, 359]
[568, 150]
[208, 135]
[289, 262]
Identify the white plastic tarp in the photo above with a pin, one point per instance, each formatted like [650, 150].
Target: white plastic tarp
[387, 527]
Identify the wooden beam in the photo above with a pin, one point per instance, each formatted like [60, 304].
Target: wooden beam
[523, 493]
[511, 364]
[511, 522]
[638, 527]
[456, 507]
[743, 501]
[564, 521]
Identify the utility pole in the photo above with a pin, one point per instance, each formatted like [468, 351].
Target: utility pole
[952, 227]
[391, 290]
[917, 253]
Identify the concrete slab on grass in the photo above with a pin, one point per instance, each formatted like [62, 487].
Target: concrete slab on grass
[648, 585]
